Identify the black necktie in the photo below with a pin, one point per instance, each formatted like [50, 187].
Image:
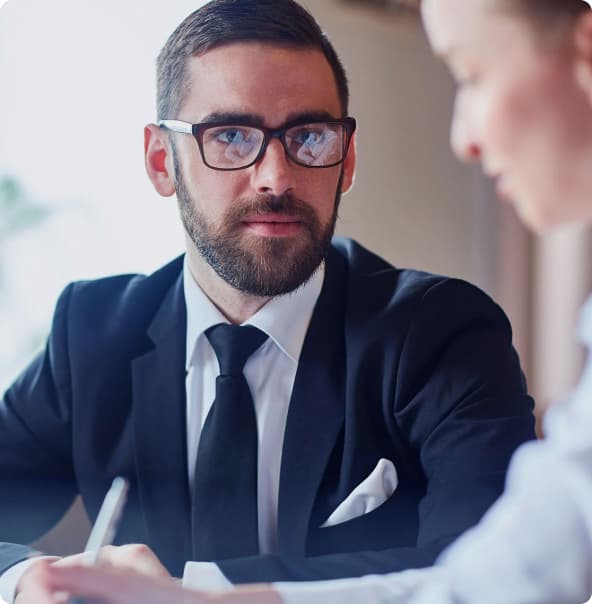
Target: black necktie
[224, 510]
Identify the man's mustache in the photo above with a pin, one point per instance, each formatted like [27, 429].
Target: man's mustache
[288, 205]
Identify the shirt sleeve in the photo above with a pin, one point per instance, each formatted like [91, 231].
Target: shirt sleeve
[394, 588]
[535, 544]
[204, 576]
[10, 578]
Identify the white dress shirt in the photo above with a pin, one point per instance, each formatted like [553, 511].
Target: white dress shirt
[270, 374]
[534, 546]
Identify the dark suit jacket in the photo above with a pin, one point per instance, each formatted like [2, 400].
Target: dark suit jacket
[415, 368]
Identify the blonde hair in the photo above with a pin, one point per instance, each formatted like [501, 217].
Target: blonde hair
[546, 13]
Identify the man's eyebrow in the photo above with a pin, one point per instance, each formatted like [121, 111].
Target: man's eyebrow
[233, 117]
[252, 119]
[310, 116]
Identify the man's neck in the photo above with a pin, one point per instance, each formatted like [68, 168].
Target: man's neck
[235, 305]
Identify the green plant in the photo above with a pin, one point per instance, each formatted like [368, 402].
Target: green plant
[17, 210]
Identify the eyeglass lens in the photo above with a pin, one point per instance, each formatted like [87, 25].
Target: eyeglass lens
[318, 144]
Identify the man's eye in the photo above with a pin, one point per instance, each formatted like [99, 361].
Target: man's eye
[231, 136]
[308, 138]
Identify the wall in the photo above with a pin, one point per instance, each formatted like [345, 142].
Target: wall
[412, 201]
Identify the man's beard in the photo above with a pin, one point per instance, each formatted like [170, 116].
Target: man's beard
[256, 265]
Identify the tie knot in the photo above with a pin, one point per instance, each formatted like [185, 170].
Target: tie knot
[233, 345]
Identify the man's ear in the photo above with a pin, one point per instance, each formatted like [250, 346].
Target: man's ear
[582, 39]
[158, 159]
[349, 166]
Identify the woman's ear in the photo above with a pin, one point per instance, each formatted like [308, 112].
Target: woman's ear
[158, 160]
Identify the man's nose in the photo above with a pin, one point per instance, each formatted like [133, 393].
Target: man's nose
[274, 172]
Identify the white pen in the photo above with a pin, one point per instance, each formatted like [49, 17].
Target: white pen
[105, 526]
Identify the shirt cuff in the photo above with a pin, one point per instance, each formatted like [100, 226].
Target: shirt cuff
[10, 578]
[204, 576]
[394, 588]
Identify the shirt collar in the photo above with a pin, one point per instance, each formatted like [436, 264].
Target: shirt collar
[284, 319]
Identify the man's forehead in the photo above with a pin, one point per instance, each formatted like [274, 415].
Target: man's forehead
[275, 82]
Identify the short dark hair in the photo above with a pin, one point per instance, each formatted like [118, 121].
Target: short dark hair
[221, 22]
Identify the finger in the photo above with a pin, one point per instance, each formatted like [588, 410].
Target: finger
[36, 585]
[73, 560]
[115, 586]
[136, 556]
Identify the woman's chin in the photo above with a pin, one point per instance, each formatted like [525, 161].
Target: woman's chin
[536, 218]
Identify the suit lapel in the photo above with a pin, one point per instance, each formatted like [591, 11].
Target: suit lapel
[160, 432]
[316, 412]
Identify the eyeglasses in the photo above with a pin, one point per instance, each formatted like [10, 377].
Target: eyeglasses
[318, 144]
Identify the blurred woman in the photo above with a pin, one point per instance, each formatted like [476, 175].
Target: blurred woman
[524, 110]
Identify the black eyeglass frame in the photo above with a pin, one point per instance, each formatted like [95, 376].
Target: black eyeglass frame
[197, 131]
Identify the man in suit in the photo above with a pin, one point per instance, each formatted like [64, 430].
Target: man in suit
[386, 403]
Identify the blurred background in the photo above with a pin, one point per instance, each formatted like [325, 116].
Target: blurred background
[77, 87]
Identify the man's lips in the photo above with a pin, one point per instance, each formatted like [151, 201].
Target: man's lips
[271, 217]
[273, 225]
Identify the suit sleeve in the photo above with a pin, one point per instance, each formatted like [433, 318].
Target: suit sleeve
[36, 474]
[463, 403]
[460, 401]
